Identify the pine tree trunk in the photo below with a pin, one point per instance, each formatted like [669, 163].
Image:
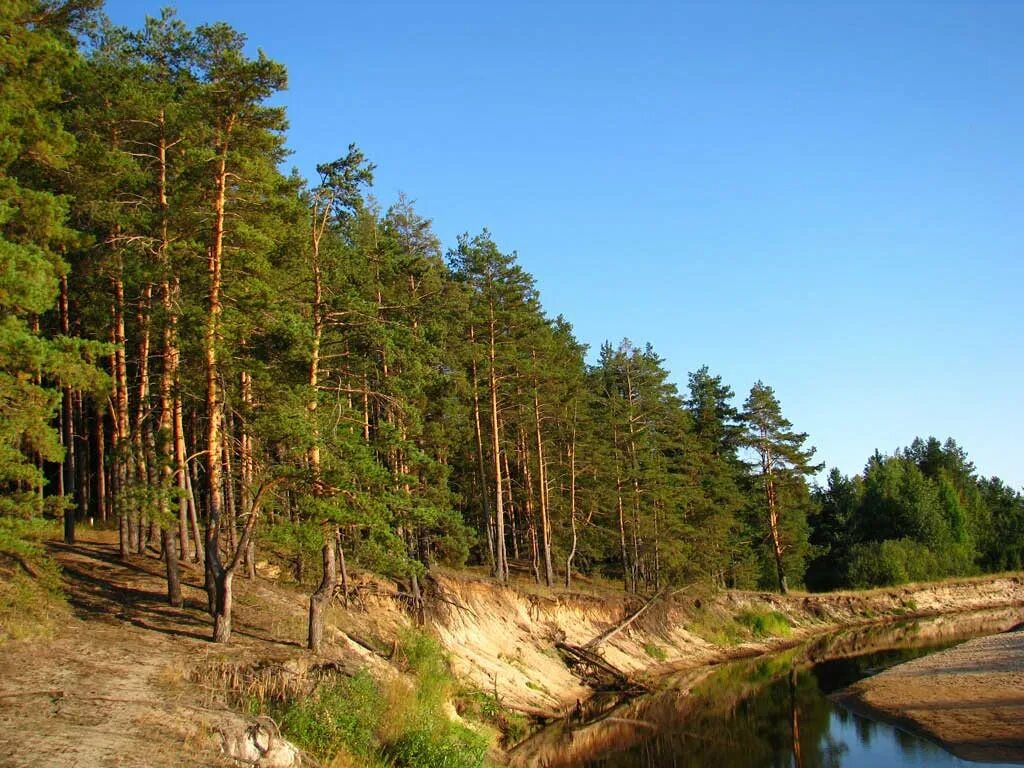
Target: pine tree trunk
[572, 501]
[80, 438]
[344, 572]
[773, 528]
[531, 522]
[67, 430]
[121, 419]
[511, 509]
[170, 549]
[627, 571]
[635, 472]
[247, 467]
[188, 517]
[488, 522]
[166, 446]
[99, 476]
[319, 599]
[218, 582]
[223, 604]
[545, 527]
[230, 506]
[141, 410]
[492, 378]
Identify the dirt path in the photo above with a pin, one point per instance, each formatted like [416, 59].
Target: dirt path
[109, 690]
[969, 698]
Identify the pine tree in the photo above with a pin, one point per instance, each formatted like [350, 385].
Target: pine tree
[38, 370]
[783, 464]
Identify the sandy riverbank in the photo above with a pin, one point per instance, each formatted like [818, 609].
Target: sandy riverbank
[969, 698]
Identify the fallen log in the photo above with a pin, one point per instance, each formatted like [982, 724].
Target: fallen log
[613, 631]
[595, 669]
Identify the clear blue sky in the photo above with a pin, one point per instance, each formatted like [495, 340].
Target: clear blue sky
[825, 196]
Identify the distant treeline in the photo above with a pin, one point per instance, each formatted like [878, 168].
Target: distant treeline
[215, 357]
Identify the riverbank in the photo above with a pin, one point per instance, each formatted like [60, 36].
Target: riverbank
[969, 699]
[687, 709]
[503, 640]
[497, 662]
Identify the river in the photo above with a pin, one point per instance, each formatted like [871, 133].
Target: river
[772, 711]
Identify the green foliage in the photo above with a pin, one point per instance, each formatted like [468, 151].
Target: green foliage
[388, 726]
[36, 52]
[31, 601]
[893, 561]
[655, 651]
[718, 628]
[763, 623]
[451, 746]
[487, 708]
[340, 715]
[781, 466]
[919, 514]
[393, 395]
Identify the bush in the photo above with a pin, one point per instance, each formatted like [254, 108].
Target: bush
[445, 745]
[399, 725]
[487, 708]
[765, 623]
[340, 715]
[32, 604]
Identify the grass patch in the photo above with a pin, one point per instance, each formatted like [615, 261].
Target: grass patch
[719, 628]
[656, 652]
[487, 708]
[341, 715]
[402, 723]
[32, 604]
[765, 623]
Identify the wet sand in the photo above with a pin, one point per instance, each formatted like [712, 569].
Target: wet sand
[969, 698]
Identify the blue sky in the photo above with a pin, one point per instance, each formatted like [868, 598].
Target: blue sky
[828, 197]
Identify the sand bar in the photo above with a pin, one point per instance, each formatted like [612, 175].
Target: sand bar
[969, 698]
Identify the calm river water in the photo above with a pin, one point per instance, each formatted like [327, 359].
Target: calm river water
[772, 711]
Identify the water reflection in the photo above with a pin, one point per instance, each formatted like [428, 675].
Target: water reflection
[769, 711]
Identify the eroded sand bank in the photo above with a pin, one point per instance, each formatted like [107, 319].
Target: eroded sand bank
[969, 698]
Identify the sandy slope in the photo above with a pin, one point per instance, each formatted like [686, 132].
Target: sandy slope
[132, 682]
[107, 691]
[970, 697]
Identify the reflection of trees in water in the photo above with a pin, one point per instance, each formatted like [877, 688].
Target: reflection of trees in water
[783, 723]
[769, 711]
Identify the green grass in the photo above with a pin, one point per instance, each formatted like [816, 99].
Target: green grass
[487, 708]
[398, 724]
[341, 715]
[718, 628]
[32, 604]
[765, 623]
[656, 652]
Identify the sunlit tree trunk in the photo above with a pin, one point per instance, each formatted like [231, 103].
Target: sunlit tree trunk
[492, 381]
[218, 581]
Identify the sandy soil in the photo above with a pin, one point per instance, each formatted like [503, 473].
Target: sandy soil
[131, 681]
[969, 698]
[108, 689]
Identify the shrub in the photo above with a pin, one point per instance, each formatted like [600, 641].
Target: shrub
[445, 745]
[400, 725]
[486, 708]
[32, 604]
[765, 623]
[341, 715]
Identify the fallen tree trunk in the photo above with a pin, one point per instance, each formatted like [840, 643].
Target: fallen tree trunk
[595, 670]
[610, 633]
